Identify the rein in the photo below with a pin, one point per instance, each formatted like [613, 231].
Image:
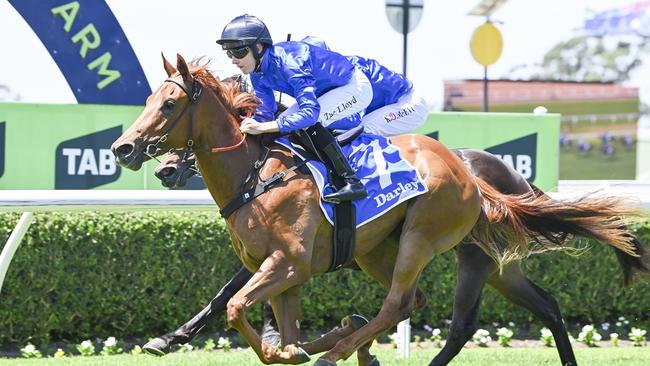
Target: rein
[245, 195]
[339, 257]
[194, 95]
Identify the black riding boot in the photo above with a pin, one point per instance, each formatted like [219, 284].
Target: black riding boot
[334, 159]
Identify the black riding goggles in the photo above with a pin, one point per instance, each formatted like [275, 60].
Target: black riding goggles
[238, 52]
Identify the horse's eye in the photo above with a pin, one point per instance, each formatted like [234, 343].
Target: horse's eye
[168, 106]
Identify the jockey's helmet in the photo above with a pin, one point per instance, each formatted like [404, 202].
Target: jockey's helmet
[244, 31]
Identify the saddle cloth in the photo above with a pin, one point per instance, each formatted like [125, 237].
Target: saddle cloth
[389, 179]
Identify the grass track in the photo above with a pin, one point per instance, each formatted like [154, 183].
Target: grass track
[468, 357]
[596, 165]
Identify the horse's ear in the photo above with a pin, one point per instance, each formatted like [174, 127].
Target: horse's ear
[181, 65]
[168, 67]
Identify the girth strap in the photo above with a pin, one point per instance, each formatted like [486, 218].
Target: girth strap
[344, 242]
[344, 238]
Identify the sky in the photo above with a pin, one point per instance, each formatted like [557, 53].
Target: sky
[438, 47]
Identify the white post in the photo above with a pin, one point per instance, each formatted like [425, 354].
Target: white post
[540, 109]
[643, 149]
[404, 338]
[13, 243]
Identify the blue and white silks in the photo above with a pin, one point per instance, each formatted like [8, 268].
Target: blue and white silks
[389, 178]
[306, 70]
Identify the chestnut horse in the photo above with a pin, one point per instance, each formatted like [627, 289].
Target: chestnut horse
[284, 238]
[475, 269]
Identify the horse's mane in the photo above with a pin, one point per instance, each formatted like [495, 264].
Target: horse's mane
[233, 92]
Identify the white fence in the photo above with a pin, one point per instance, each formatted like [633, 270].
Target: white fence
[200, 200]
[28, 202]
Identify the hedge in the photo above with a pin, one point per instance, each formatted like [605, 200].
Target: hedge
[83, 275]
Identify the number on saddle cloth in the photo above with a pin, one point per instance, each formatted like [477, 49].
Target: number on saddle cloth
[388, 177]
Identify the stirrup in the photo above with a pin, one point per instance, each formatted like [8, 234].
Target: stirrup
[347, 193]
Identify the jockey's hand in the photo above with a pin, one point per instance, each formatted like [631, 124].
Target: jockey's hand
[252, 127]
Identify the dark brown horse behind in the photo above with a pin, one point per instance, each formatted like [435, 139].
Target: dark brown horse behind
[284, 239]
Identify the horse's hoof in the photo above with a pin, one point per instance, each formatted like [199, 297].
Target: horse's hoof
[375, 362]
[355, 320]
[155, 347]
[298, 355]
[323, 362]
[301, 355]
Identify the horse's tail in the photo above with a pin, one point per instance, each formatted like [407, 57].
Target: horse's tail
[512, 227]
[630, 263]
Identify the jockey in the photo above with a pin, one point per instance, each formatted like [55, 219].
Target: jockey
[331, 92]
[395, 107]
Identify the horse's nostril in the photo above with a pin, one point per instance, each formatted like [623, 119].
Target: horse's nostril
[166, 172]
[124, 150]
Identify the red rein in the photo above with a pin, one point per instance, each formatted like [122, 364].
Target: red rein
[249, 113]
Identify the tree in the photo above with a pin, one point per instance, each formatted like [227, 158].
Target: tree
[588, 58]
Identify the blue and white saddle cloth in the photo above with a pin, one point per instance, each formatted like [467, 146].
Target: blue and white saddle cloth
[389, 179]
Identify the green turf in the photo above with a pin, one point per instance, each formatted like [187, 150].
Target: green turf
[599, 126]
[468, 357]
[596, 165]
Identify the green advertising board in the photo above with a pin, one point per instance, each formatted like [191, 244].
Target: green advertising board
[68, 146]
[527, 142]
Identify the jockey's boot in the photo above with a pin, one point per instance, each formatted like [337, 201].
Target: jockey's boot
[353, 189]
[336, 161]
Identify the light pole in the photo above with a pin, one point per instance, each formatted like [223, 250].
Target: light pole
[486, 43]
[486, 46]
[404, 16]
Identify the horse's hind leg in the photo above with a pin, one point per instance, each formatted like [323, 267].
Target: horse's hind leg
[413, 255]
[378, 264]
[329, 340]
[514, 285]
[474, 268]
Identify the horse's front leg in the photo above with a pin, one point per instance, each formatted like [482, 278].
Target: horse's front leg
[276, 275]
[287, 312]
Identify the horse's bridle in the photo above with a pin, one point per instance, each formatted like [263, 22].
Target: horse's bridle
[194, 96]
[246, 195]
